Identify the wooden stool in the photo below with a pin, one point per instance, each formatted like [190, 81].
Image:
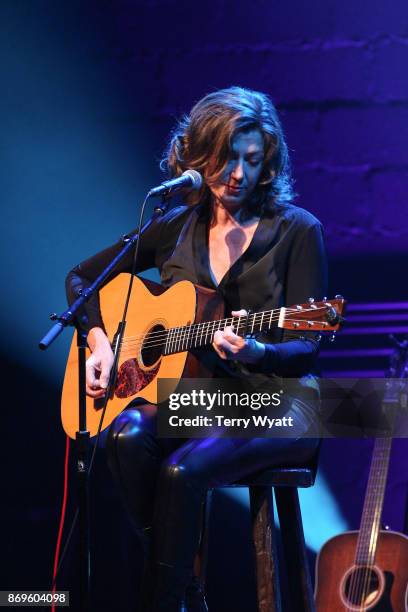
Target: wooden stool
[285, 482]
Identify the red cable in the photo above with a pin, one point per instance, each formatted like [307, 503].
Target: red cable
[62, 519]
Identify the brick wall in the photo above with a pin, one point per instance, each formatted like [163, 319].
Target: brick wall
[338, 71]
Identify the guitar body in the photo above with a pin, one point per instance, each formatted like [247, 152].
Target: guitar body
[168, 335]
[151, 309]
[388, 582]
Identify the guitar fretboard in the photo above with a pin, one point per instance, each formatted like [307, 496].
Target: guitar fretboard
[373, 504]
[184, 338]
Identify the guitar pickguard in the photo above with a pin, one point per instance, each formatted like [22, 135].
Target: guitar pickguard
[131, 378]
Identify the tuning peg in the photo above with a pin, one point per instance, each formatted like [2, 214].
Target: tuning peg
[310, 300]
[53, 316]
[332, 336]
[339, 297]
[324, 299]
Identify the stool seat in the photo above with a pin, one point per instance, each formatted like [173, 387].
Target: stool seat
[280, 477]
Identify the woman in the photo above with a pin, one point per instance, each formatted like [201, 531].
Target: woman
[239, 235]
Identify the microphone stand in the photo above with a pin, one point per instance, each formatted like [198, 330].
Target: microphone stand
[82, 436]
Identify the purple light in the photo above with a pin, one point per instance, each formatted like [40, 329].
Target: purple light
[360, 331]
[374, 318]
[353, 374]
[378, 306]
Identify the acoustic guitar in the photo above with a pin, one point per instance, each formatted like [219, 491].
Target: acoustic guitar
[168, 334]
[368, 569]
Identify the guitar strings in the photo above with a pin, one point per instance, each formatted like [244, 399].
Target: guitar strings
[266, 314]
[194, 329]
[370, 523]
[358, 591]
[180, 337]
[189, 330]
[382, 454]
[358, 579]
[378, 473]
[378, 507]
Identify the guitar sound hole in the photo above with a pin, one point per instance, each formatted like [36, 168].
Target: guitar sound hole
[362, 586]
[153, 345]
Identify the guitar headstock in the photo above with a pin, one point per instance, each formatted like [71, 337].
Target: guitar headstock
[326, 316]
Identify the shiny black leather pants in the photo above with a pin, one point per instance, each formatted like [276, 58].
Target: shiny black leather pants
[164, 484]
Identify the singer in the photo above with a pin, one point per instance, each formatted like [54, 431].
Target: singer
[240, 234]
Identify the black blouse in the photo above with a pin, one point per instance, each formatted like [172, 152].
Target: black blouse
[284, 265]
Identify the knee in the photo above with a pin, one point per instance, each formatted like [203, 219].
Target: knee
[134, 460]
[131, 433]
[183, 477]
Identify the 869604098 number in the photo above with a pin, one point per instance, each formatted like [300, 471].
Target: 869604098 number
[34, 598]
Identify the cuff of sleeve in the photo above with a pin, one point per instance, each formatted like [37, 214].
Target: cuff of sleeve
[269, 361]
[89, 321]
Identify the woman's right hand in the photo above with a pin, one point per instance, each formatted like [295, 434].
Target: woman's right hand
[99, 364]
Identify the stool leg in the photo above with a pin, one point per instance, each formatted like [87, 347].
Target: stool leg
[294, 548]
[267, 576]
[195, 599]
[200, 564]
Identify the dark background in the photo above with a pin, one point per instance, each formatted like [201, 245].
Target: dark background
[89, 92]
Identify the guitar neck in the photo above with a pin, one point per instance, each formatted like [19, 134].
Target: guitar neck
[198, 335]
[373, 503]
[374, 499]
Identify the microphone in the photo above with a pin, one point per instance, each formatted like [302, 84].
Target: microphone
[190, 179]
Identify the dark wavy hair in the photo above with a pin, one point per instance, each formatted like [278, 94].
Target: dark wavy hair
[206, 135]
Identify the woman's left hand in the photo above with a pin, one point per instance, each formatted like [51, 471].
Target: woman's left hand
[230, 346]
